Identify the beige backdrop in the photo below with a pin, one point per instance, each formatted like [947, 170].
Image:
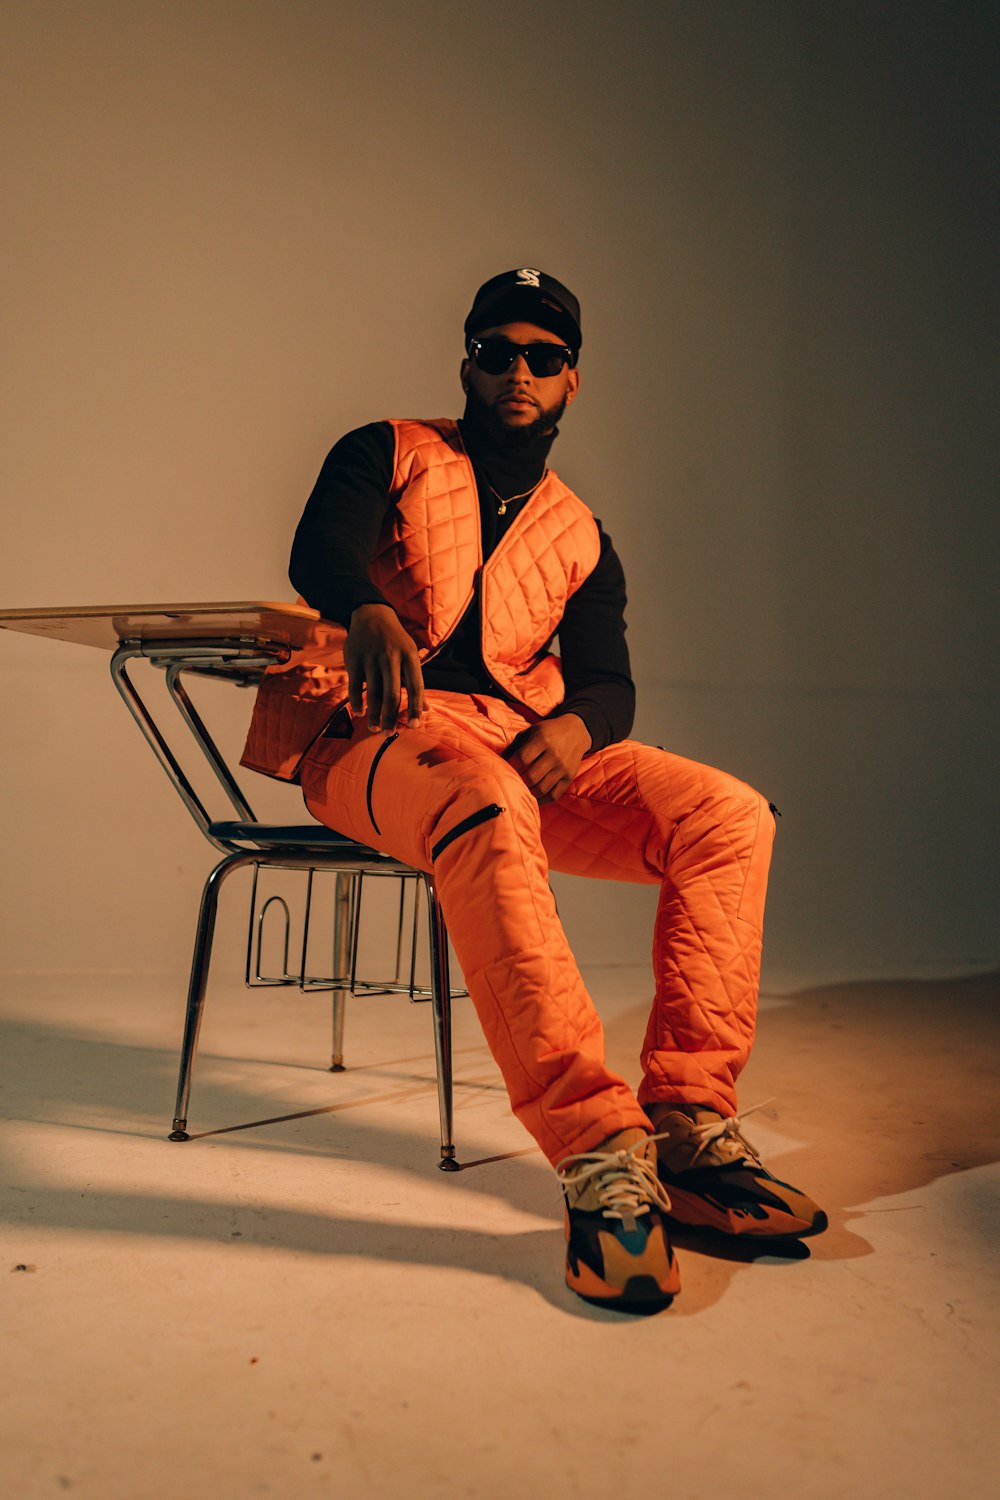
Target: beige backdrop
[234, 230]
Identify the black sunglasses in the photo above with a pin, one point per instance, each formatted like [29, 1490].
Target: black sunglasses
[495, 357]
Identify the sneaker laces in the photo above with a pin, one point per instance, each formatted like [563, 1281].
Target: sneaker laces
[627, 1185]
[728, 1132]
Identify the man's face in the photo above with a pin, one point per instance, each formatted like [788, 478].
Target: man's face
[517, 405]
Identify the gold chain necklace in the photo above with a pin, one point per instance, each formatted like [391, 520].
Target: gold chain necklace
[502, 507]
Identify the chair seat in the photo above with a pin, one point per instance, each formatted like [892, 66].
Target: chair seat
[287, 835]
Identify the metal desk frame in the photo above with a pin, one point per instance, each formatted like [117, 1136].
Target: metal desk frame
[244, 841]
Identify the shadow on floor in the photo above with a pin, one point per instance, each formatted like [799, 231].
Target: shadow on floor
[891, 1083]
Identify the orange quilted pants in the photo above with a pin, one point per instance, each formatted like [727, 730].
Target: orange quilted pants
[441, 797]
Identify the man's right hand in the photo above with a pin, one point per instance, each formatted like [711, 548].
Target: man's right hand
[381, 656]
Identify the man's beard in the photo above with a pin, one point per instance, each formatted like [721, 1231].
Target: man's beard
[489, 422]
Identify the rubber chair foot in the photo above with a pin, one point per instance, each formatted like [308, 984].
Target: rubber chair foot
[336, 1067]
[178, 1135]
[449, 1164]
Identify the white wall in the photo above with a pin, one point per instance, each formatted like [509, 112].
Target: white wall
[234, 231]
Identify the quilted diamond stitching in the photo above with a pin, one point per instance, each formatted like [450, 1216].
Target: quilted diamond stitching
[426, 563]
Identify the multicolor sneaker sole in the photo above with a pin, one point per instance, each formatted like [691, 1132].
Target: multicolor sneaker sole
[716, 1180]
[741, 1201]
[613, 1265]
[618, 1251]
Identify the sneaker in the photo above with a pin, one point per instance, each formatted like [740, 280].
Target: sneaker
[618, 1253]
[716, 1179]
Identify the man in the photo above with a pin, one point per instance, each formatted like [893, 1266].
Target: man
[434, 722]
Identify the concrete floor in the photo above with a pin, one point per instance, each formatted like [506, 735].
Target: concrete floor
[298, 1303]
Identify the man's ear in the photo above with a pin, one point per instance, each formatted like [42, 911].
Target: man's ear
[463, 375]
[572, 386]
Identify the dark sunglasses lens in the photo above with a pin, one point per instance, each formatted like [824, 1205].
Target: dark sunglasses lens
[494, 356]
[545, 359]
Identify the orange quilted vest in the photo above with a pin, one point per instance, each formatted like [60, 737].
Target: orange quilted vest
[428, 563]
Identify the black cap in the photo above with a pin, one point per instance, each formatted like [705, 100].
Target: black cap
[530, 296]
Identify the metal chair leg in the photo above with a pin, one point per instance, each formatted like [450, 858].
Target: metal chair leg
[342, 935]
[198, 983]
[343, 939]
[441, 991]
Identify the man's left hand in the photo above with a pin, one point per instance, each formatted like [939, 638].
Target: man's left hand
[548, 755]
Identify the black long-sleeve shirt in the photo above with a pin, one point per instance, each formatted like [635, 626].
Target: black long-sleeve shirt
[335, 542]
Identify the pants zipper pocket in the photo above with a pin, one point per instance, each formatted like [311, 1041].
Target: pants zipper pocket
[371, 777]
[472, 821]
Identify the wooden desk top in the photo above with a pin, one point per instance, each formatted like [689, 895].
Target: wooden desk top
[106, 626]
